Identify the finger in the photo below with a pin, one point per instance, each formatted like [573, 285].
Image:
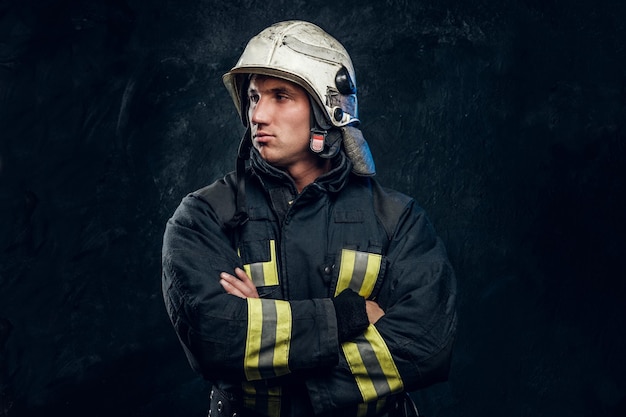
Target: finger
[233, 281]
[243, 284]
[231, 289]
[243, 287]
[245, 279]
[241, 274]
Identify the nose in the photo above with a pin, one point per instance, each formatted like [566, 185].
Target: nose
[259, 112]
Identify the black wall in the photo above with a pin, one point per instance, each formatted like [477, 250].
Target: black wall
[505, 119]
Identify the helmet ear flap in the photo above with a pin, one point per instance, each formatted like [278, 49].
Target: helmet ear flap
[243, 152]
[332, 144]
[325, 139]
[319, 118]
[243, 82]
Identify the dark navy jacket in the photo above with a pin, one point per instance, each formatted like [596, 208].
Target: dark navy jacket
[300, 250]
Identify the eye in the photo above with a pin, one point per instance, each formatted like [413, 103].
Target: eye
[254, 98]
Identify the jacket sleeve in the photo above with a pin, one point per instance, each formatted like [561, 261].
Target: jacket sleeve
[220, 333]
[410, 346]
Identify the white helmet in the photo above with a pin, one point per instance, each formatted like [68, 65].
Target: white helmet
[303, 53]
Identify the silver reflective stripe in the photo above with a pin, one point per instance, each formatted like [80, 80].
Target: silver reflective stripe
[358, 271]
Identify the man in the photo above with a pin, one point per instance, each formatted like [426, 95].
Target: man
[297, 285]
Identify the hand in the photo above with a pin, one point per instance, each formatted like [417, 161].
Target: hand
[374, 312]
[241, 285]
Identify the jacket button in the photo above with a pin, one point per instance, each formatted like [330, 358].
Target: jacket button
[219, 406]
[328, 270]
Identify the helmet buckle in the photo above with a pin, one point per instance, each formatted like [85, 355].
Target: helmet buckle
[318, 137]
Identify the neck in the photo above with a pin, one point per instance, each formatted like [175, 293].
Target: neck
[305, 175]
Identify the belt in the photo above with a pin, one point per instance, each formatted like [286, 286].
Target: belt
[223, 404]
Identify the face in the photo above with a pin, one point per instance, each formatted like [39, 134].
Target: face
[279, 115]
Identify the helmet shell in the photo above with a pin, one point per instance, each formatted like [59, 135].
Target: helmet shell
[305, 54]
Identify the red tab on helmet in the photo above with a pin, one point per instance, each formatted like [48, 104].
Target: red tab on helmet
[317, 142]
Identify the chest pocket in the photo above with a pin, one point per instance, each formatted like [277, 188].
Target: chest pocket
[259, 262]
[360, 271]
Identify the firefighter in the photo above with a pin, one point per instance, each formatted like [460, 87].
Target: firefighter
[297, 284]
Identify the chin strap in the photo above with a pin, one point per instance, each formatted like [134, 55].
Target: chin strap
[241, 213]
[318, 137]
[325, 143]
[325, 139]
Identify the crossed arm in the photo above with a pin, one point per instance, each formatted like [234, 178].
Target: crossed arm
[213, 326]
[242, 286]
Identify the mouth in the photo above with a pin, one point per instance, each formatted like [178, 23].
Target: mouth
[262, 137]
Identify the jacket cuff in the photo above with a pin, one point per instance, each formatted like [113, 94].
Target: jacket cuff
[351, 315]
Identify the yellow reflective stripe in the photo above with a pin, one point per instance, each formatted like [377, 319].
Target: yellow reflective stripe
[373, 408]
[253, 339]
[359, 371]
[380, 404]
[358, 271]
[261, 398]
[273, 401]
[249, 395]
[270, 269]
[371, 274]
[387, 364]
[283, 337]
[378, 376]
[248, 271]
[263, 273]
[346, 269]
[268, 338]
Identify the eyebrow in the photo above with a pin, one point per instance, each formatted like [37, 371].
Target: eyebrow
[277, 90]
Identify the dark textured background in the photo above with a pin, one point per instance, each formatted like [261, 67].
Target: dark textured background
[505, 119]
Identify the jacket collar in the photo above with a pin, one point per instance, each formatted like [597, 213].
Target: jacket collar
[332, 181]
